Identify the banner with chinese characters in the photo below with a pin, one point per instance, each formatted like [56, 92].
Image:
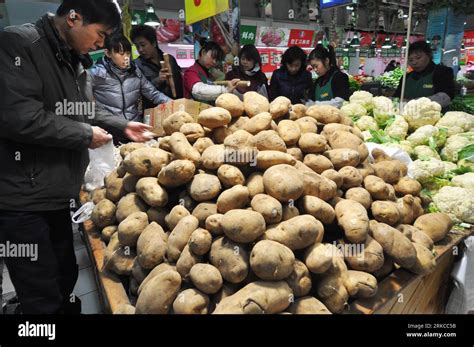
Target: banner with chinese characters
[248, 34]
[301, 38]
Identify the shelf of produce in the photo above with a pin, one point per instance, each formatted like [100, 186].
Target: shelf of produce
[405, 293]
[112, 292]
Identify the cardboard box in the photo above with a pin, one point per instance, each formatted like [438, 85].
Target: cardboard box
[156, 116]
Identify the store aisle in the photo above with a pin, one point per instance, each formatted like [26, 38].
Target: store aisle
[86, 286]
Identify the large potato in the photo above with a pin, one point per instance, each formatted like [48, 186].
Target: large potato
[333, 175]
[151, 246]
[406, 209]
[300, 279]
[343, 157]
[255, 103]
[131, 227]
[118, 259]
[182, 149]
[351, 177]
[324, 113]
[129, 148]
[213, 157]
[319, 257]
[280, 107]
[344, 139]
[297, 111]
[271, 261]
[191, 301]
[308, 305]
[255, 184]
[146, 161]
[202, 143]
[151, 192]
[176, 214]
[296, 233]
[206, 278]
[230, 258]
[435, 225]
[394, 243]
[204, 187]
[115, 189]
[180, 235]
[243, 226]
[260, 122]
[257, 298]
[317, 185]
[231, 103]
[332, 292]
[175, 121]
[213, 224]
[186, 261]
[200, 241]
[360, 284]
[331, 128]
[108, 231]
[233, 198]
[159, 293]
[129, 204]
[269, 140]
[312, 143]
[238, 123]
[283, 182]
[318, 208]
[177, 173]
[103, 213]
[230, 176]
[361, 195]
[269, 207]
[295, 152]
[214, 117]
[266, 159]
[220, 134]
[416, 235]
[156, 271]
[307, 125]
[388, 170]
[407, 185]
[370, 259]
[425, 260]
[352, 218]
[386, 212]
[192, 131]
[317, 162]
[377, 188]
[289, 131]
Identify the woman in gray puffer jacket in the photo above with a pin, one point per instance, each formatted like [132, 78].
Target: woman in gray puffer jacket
[118, 84]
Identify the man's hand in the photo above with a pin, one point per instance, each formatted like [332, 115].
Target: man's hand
[99, 137]
[164, 75]
[138, 132]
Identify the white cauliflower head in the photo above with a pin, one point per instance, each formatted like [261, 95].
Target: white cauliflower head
[398, 129]
[457, 202]
[424, 170]
[363, 98]
[425, 152]
[464, 181]
[422, 135]
[383, 109]
[367, 135]
[448, 166]
[366, 123]
[456, 122]
[454, 144]
[403, 145]
[421, 112]
[353, 110]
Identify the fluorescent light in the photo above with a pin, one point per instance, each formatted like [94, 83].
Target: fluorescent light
[150, 18]
[179, 45]
[449, 51]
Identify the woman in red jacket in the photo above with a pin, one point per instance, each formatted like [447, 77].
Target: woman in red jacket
[197, 81]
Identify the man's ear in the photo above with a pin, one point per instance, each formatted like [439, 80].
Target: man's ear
[73, 17]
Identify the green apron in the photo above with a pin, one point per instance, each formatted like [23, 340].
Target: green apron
[422, 87]
[324, 93]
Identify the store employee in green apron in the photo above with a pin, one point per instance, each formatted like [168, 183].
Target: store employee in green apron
[427, 79]
[332, 85]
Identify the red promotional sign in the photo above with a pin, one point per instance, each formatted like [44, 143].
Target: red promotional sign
[469, 38]
[302, 38]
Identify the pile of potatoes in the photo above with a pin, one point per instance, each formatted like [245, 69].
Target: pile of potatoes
[260, 207]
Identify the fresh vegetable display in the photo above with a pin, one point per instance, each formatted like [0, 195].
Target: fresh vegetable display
[253, 207]
[390, 79]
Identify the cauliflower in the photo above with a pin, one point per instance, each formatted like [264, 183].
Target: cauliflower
[403, 145]
[466, 163]
[448, 166]
[422, 135]
[454, 144]
[456, 122]
[363, 98]
[367, 135]
[353, 110]
[383, 109]
[421, 112]
[425, 152]
[424, 170]
[398, 129]
[366, 123]
[464, 181]
[457, 202]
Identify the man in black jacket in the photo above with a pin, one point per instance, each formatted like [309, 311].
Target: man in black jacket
[48, 122]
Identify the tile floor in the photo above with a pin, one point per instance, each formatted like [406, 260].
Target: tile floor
[86, 286]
